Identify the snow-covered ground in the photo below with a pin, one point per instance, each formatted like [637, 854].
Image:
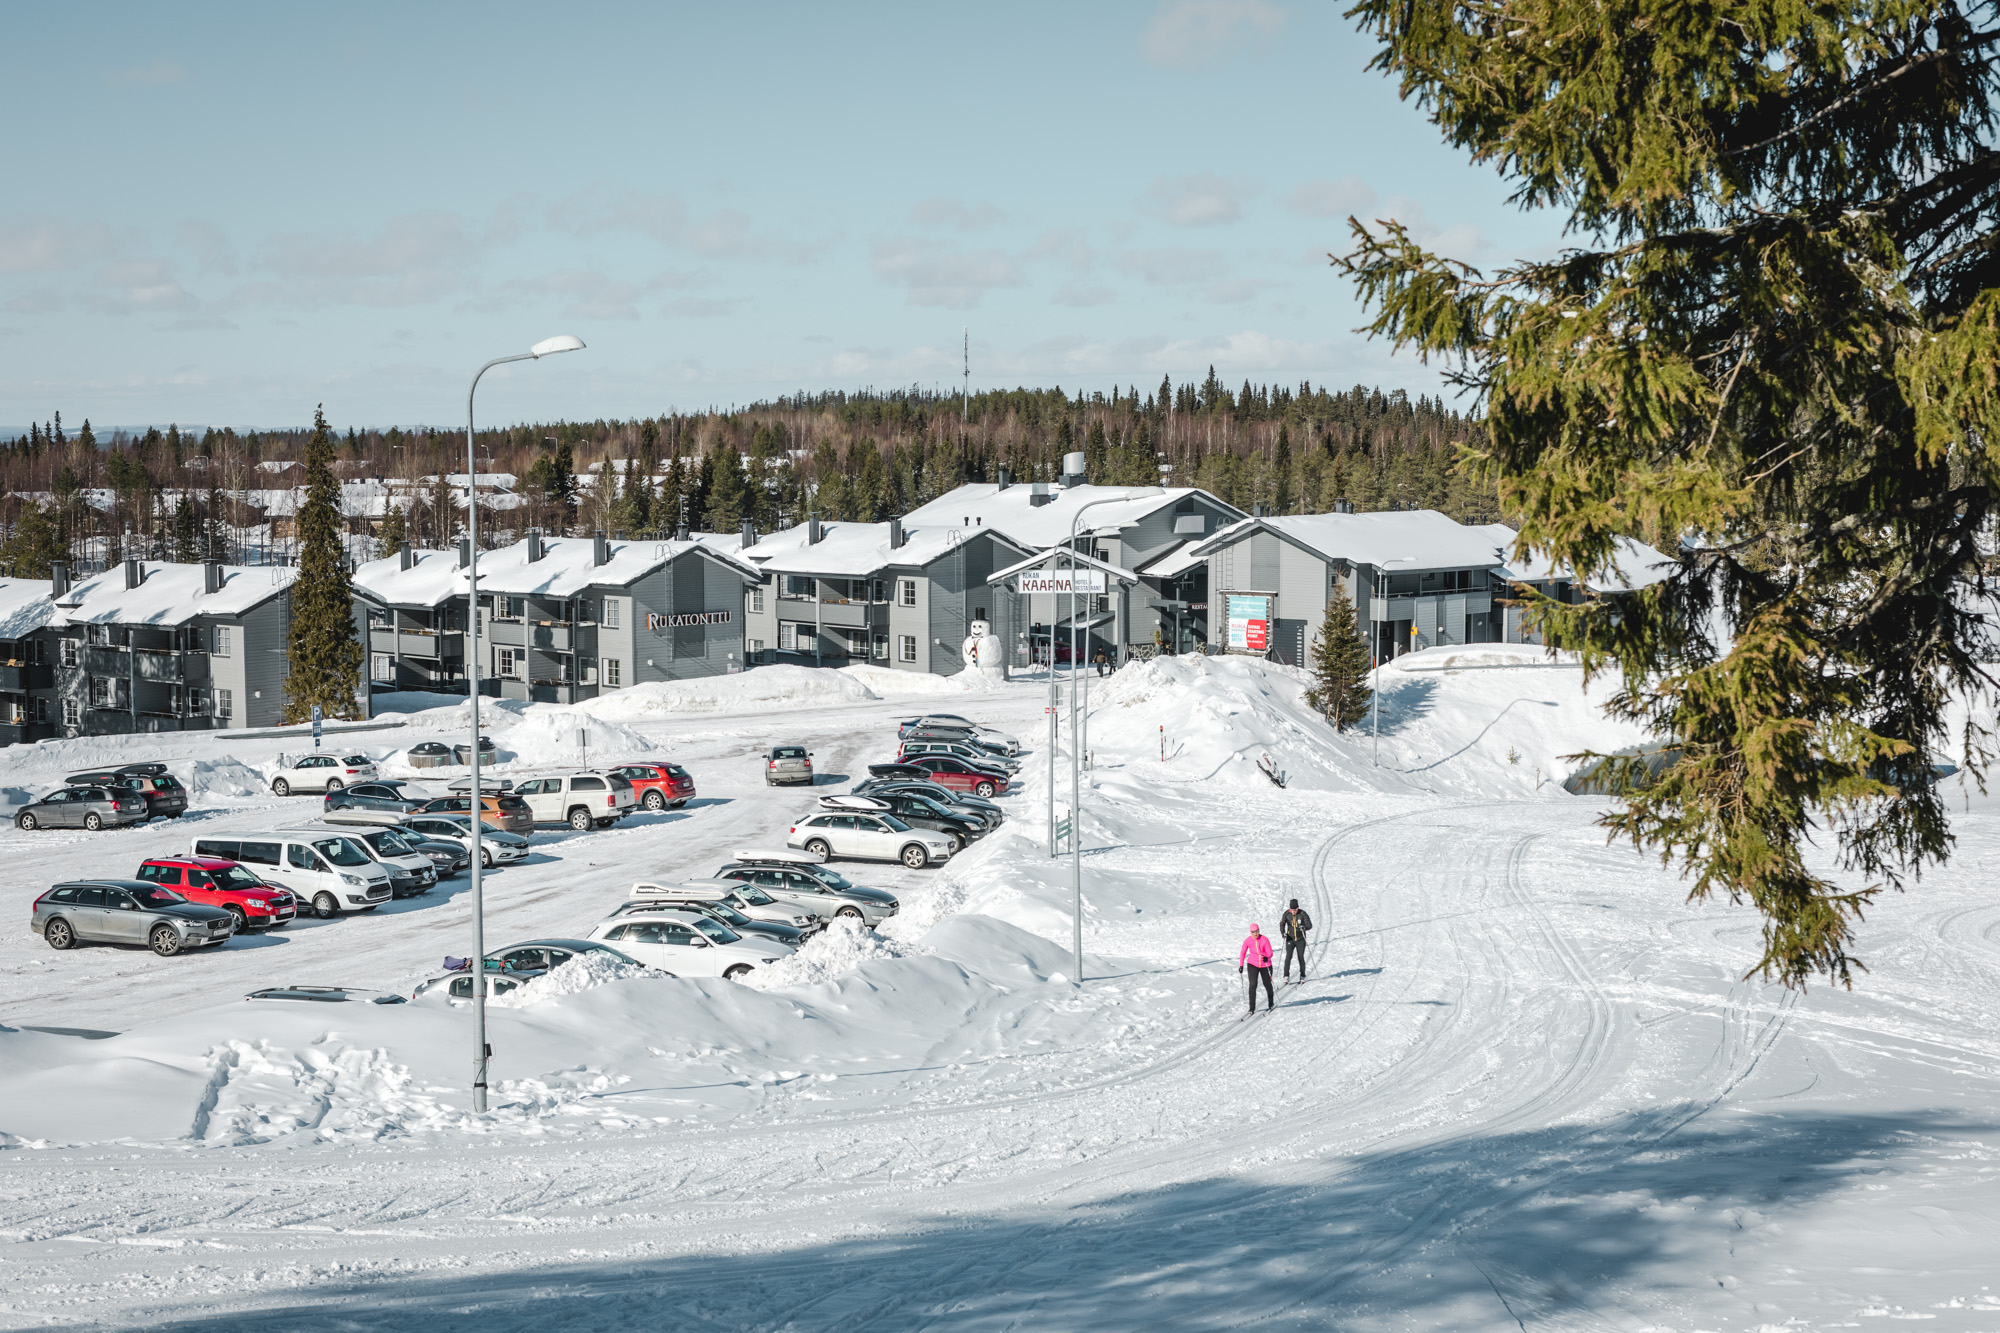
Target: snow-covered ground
[1524, 1087]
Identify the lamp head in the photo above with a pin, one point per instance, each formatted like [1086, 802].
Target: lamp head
[562, 342]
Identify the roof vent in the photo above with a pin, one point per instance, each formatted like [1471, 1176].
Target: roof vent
[58, 578]
[464, 552]
[135, 571]
[211, 576]
[1038, 494]
[403, 558]
[1343, 506]
[600, 549]
[534, 547]
[814, 531]
[1006, 480]
[1073, 470]
[1260, 511]
[749, 534]
[895, 534]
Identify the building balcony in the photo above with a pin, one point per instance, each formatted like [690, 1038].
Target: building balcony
[22, 733]
[169, 667]
[424, 643]
[507, 633]
[20, 677]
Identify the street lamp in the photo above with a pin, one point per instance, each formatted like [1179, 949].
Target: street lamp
[1075, 749]
[1375, 658]
[481, 1052]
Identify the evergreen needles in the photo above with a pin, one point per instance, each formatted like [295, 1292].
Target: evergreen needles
[1339, 664]
[323, 652]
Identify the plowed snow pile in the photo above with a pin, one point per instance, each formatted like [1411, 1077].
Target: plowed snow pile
[584, 971]
[755, 691]
[886, 682]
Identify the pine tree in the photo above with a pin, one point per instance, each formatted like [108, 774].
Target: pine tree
[726, 488]
[395, 529]
[187, 531]
[1339, 666]
[323, 653]
[1281, 472]
[35, 544]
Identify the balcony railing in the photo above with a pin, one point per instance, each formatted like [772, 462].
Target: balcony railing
[20, 677]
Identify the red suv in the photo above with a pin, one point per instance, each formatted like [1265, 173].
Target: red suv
[955, 774]
[658, 786]
[225, 884]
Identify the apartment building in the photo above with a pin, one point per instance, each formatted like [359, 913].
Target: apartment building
[28, 704]
[415, 607]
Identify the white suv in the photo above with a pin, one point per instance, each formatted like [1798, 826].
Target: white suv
[868, 837]
[322, 772]
[687, 944]
[581, 800]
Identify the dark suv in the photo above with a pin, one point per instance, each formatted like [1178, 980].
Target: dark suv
[922, 812]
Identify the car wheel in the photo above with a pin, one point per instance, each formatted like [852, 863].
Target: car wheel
[737, 973]
[818, 847]
[280, 787]
[851, 913]
[334, 785]
[984, 789]
[580, 820]
[485, 859]
[325, 906]
[655, 801]
[242, 920]
[93, 821]
[27, 822]
[957, 843]
[166, 941]
[915, 857]
[59, 935]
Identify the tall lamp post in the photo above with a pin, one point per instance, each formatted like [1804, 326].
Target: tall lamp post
[481, 1052]
[1076, 749]
[1375, 657]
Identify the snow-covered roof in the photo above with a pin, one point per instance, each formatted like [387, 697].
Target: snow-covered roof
[431, 580]
[1038, 526]
[730, 542]
[1637, 564]
[565, 568]
[853, 550]
[170, 595]
[1057, 558]
[1399, 540]
[505, 481]
[25, 606]
[1177, 561]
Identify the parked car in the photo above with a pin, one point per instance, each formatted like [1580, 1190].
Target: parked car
[958, 802]
[164, 795]
[127, 911]
[410, 872]
[954, 774]
[496, 847]
[581, 800]
[795, 879]
[509, 814]
[659, 786]
[971, 754]
[922, 812]
[788, 764]
[978, 744]
[322, 772]
[235, 888]
[1007, 743]
[868, 837]
[390, 794]
[713, 900]
[329, 870]
[84, 807]
[688, 944]
[550, 954]
[324, 995]
[754, 903]
[457, 983]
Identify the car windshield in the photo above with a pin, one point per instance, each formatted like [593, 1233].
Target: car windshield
[152, 895]
[755, 896]
[341, 852]
[234, 877]
[715, 930]
[727, 913]
[789, 752]
[388, 840]
[676, 771]
[833, 879]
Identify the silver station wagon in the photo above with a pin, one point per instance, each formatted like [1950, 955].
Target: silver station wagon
[127, 911]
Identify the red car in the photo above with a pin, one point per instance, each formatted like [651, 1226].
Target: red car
[955, 774]
[225, 884]
[658, 786]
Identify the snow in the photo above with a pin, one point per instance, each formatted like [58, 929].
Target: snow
[170, 594]
[26, 605]
[758, 690]
[567, 566]
[853, 550]
[886, 681]
[1014, 512]
[432, 579]
[1402, 539]
[1526, 1085]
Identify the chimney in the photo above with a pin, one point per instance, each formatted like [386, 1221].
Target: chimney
[1343, 506]
[58, 578]
[403, 560]
[600, 550]
[895, 534]
[534, 547]
[1260, 511]
[135, 571]
[682, 534]
[1006, 480]
[749, 534]
[464, 552]
[1073, 466]
[211, 576]
[814, 532]
[1038, 494]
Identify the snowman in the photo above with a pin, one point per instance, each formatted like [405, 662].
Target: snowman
[982, 652]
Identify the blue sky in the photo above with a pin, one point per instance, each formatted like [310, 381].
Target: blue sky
[224, 215]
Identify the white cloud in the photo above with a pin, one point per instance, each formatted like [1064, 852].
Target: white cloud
[1200, 200]
[723, 234]
[408, 260]
[1331, 198]
[943, 211]
[935, 274]
[1082, 295]
[49, 245]
[1173, 267]
[1188, 33]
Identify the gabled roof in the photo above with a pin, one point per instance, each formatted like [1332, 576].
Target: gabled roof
[856, 550]
[565, 568]
[170, 595]
[1636, 565]
[25, 606]
[1403, 540]
[431, 580]
[1038, 526]
[1057, 555]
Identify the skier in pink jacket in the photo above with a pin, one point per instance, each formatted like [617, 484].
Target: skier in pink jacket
[1255, 958]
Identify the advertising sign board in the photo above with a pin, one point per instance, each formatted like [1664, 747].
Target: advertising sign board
[1249, 622]
[1058, 581]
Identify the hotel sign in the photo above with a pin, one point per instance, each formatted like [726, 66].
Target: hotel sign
[657, 622]
[1058, 581]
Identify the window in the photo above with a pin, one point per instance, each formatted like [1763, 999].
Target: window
[611, 614]
[881, 647]
[909, 597]
[586, 784]
[586, 670]
[798, 585]
[298, 858]
[100, 691]
[70, 652]
[222, 637]
[756, 599]
[754, 645]
[379, 667]
[197, 701]
[225, 703]
[72, 713]
[510, 663]
[909, 650]
[614, 671]
[880, 591]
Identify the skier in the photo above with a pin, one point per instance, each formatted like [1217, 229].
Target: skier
[1255, 957]
[1292, 927]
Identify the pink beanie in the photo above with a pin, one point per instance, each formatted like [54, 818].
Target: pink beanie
[1253, 927]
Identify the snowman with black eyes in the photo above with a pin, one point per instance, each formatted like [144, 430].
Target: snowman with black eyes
[982, 651]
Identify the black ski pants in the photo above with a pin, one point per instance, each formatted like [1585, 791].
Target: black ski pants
[1270, 996]
[1293, 947]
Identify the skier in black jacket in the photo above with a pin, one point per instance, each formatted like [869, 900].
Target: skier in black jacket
[1292, 926]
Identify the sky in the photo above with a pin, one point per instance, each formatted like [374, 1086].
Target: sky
[224, 215]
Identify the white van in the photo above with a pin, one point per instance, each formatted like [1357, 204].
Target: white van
[410, 871]
[327, 871]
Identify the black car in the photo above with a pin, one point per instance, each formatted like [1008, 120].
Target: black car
[985, 812]
[397, 797]
[922, 812]
[164, 796]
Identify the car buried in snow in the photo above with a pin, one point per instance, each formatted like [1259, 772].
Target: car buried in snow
[688, 944]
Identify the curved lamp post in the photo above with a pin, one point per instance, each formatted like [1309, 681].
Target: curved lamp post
[481, 1051]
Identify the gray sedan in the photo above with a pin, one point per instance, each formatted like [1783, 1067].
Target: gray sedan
[84, 807]
[127, 911]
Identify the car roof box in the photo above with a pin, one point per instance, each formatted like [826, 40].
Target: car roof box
[784, 856]
[379, 818]
[895, 770]
[143, 770]
[867, 803]
[487, 786]
[647, 891]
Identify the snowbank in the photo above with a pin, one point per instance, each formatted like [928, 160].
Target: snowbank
[885, 682]
[558, 736]
[841, 947]
[584, 971]
[754, 691]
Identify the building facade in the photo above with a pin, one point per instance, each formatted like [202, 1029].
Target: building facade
[28, 703]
